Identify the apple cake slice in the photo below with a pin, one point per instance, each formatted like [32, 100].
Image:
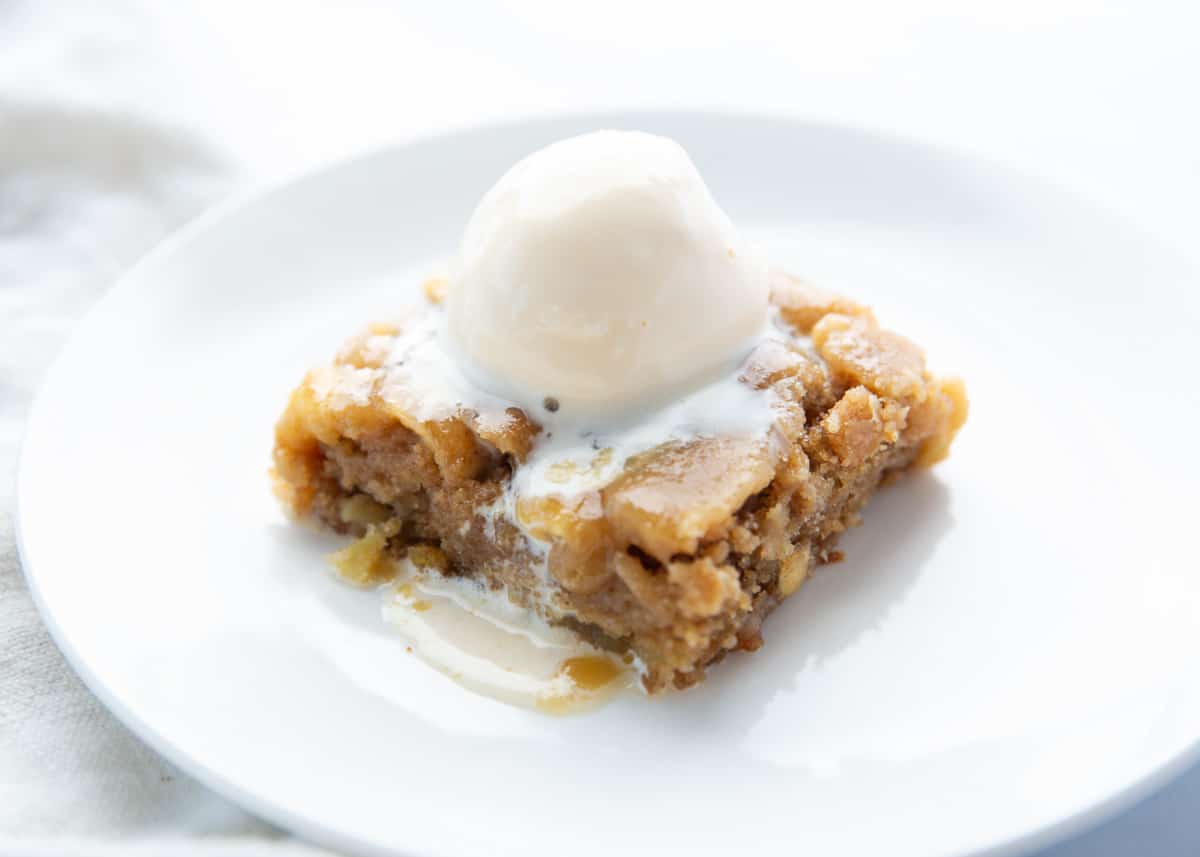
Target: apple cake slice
[675, 552]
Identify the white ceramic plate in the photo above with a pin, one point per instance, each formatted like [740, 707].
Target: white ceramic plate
[1007, 651]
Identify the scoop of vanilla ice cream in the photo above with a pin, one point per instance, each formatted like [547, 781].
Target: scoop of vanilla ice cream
[600, 272]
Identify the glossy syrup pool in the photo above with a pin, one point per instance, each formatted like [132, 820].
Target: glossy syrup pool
[492, 647]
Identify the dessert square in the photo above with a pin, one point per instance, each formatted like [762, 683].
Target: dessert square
[667, 546]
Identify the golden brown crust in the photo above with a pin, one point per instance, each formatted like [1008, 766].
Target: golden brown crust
[858, 351]
[682, 554]
[803, 304]
[668, 499]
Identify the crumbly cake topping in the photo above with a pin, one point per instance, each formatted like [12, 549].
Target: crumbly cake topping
[410, 369]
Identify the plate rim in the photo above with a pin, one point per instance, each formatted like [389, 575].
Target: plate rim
[325, 835]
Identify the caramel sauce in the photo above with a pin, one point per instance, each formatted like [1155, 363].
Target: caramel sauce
[592, 680]
[590, 672]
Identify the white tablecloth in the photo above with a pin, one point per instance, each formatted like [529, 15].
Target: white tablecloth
[120, 121]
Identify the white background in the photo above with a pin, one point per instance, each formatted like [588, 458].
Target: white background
[120, 120]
